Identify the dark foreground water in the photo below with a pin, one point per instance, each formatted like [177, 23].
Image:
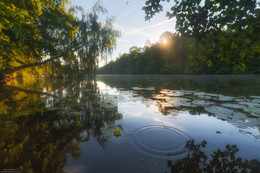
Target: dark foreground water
[131, 124]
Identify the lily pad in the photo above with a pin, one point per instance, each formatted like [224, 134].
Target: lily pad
[256, 101]
[239, 99]
[117, 133]
[253, 111]
[148, 88]
[251, 104]
[212, 95]
[175, 93]
[255, 97]
[158, 97]
[233, 106]
[178, 102]
[219, 111]
[225, 113]
[224, 98]
[109, 105]
[108, 133]
[205, 97]
[200, 94]
[188, 92]
[179, 105]
[202, 103]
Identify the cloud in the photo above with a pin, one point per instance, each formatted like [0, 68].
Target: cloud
[123, 41]
[131, 35]
[127, 12]
[141, 31]
[130, 31]
[157, 24]
[138, 31]
[119, 27]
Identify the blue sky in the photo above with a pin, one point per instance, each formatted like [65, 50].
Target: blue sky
[130, 21]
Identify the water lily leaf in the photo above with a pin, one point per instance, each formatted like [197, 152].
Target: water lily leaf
[117, 133]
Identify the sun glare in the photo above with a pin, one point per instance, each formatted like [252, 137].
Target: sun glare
[164, 41]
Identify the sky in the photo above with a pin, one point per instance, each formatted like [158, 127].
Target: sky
[130, 21]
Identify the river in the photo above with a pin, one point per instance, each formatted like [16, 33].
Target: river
[128, 123]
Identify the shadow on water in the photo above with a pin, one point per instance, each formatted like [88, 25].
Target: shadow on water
[218, 161]
[40, 125]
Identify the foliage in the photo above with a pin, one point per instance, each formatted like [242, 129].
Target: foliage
[33, 33]
[173, 55]
[221, 160]
[40, 130]
[234, 25]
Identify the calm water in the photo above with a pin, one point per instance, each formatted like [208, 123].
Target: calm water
[131, 124]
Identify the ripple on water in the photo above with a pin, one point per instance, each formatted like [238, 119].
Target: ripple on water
[160, 140]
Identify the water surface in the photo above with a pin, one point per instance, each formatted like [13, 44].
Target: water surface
[131, 124]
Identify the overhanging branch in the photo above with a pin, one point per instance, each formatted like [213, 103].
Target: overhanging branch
[12, 70]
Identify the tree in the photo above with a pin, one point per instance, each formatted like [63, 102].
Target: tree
[25, 35]
[33, 33]
[168, 57]
[94, 39]
[228, 27]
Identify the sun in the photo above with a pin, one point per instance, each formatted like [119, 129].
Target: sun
[164, 41]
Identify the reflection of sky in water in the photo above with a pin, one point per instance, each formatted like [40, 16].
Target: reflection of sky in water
[102, 86]
[144, 108]
[143, 112]
[75, 122]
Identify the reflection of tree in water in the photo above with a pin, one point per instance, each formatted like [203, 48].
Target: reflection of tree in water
[37, 131]
[242, 112]
[241, 85]
[220, 161]
[166, 104]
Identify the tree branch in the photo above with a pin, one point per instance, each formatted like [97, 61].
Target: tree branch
[30, 91]
[12, 70]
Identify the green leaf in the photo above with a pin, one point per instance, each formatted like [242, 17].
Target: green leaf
[209, 62]
[242, 54]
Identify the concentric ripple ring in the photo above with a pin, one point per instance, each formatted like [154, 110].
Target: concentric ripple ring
[160, 140]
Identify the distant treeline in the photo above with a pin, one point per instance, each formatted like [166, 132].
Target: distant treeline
[174, 54]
